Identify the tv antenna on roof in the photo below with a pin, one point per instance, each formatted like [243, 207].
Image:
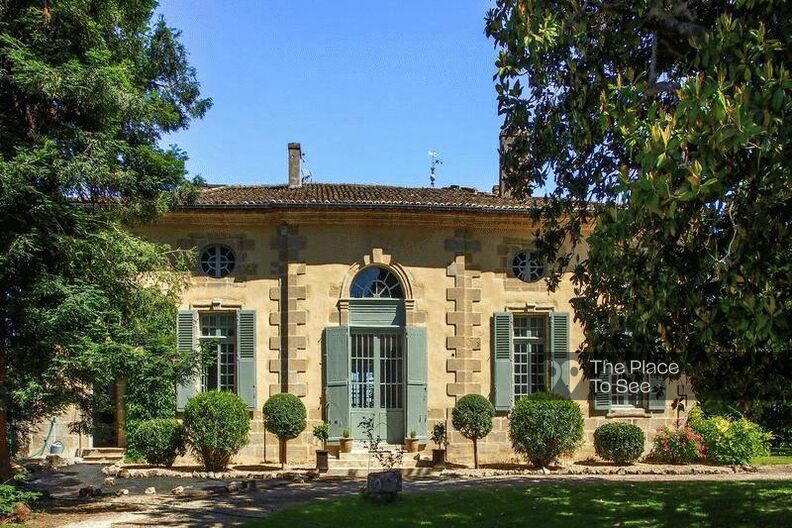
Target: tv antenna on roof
[434, 161]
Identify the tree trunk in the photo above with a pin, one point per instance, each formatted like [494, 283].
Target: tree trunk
[282, 452]
[475, 453]
[5, 451]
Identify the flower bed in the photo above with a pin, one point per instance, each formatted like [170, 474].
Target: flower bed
[232, 473]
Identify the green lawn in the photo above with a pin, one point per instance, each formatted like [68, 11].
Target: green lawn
[612, 504]
[773, 460]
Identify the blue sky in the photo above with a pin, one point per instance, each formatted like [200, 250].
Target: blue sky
[368, 88]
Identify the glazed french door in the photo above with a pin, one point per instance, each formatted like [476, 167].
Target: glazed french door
[377, 383]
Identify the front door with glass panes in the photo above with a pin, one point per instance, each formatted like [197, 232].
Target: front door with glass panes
[530, 354]
[220, 331]
[376, 383]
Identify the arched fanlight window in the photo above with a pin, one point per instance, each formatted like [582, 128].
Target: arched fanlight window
[376, 282]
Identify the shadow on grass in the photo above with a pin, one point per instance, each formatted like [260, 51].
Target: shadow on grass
[708, 503]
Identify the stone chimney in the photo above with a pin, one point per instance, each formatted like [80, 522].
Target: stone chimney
[295, 163]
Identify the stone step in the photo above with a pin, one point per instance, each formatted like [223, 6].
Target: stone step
[374, 465]
[362, 472]
[362, 455]
[103, 455]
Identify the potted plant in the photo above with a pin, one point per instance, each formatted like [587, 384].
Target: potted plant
[411, 442]
[345, 443]
[439, 437]
[322, 432]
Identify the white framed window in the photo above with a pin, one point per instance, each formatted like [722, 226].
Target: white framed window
[531, 358]
[527, 267]
[628, 400]
[217, 261]
[220, 329]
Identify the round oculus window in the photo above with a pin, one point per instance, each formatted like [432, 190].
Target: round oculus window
[526, 267]
[217, 261]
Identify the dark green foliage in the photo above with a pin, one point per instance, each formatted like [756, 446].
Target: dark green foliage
[87, 91]
[674, 117]
[217, 425]
[729, 441]
[776, 417]
[322, 432]
[472, 416]
[159, 440]
[545, 396]
[542, 428]
[440, 435]
[619, 442]
[11, 494]
[284, 416]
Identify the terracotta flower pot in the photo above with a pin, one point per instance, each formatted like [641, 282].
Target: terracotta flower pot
[345, 445]
[411, 445]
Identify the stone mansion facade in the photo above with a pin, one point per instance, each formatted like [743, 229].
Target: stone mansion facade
[391, 302]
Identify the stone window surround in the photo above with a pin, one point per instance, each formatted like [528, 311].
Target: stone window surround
[378, 258]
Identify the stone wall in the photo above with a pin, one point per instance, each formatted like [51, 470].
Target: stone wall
[294, 269]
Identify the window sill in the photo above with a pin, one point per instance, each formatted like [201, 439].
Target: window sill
[628, 413]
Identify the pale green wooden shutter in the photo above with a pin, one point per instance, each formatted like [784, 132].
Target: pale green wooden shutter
[246, 357]
[656, 399]
[600, 399]
[417, 410]
[559, 351]
[186, 340]
[502, 369]
[336, 366]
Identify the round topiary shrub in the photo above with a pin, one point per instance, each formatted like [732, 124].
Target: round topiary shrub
[621, 443]
[472, 416]
[284, 416]
[544, 426]
[217, 425]
[160, 440]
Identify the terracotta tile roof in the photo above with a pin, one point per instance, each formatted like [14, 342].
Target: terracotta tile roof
[347, 196]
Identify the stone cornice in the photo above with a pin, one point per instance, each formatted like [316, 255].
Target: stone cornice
[490, 220]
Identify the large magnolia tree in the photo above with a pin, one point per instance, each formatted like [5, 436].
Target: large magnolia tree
[664, 127]
[87, 89]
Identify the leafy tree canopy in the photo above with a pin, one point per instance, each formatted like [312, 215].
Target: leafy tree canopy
[87, 90]
[662, 130]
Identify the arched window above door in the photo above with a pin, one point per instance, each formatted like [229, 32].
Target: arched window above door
[376, 282]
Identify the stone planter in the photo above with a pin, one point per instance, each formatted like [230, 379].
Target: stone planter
[322, 463]
[411, 445]
[384, 483]
[438, 458]
[345, 445]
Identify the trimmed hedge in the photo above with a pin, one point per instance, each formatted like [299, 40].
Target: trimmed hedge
[618, 442]
[217, 425]
[160, 440]
[544, 426]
